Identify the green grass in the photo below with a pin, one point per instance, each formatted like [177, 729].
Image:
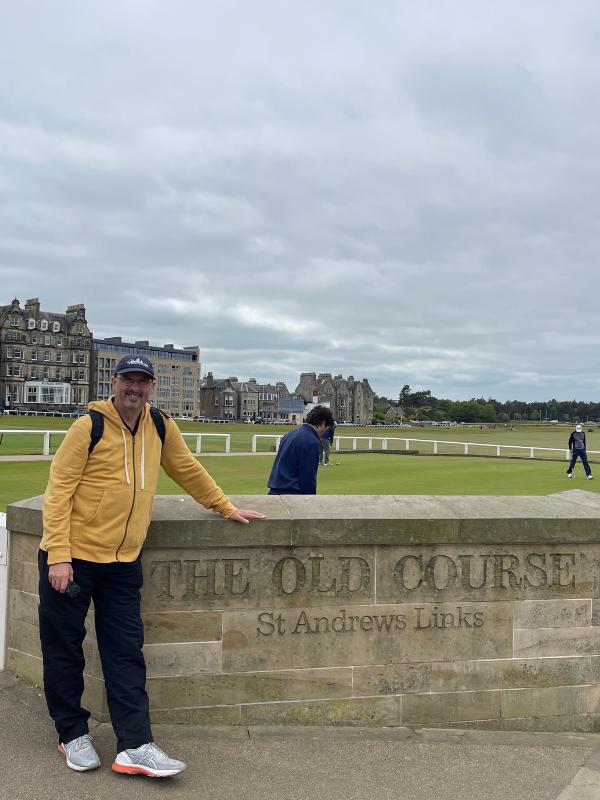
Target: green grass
[356, 474]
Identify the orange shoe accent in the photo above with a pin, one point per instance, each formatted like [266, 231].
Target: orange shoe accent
[132, 770]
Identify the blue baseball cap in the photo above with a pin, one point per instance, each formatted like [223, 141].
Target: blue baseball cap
[135, 364]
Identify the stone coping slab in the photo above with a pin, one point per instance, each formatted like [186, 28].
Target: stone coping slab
[178, 521]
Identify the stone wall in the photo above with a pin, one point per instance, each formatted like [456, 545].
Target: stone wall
[436, 611]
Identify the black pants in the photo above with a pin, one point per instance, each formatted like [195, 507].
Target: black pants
[114, 588]
[283, 491]
[583, 456]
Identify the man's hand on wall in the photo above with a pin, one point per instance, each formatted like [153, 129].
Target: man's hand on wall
[244, 515]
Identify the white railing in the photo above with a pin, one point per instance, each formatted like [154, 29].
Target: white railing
[3, 588]
[435, 442]
[277, 437]
[48, 434]
[45, 434]
[198, 438]
[499, 448]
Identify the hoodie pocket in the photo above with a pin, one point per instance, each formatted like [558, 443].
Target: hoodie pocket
[108, 524]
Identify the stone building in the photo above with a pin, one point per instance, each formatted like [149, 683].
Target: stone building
[247, 397]
[219, 397]
[350, 400]
[44, 358]
[228, 398]
[177, 373]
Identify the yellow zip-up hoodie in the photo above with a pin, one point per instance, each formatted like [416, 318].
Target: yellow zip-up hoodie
[98, 508]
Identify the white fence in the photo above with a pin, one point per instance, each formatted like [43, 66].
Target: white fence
[3, 588]
[277, 437]
[47, 434]
[498, 448]
[198, 437]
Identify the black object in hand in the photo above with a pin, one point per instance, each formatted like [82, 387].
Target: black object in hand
[72, 589]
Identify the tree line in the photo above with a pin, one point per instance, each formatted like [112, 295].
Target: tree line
[422, 405]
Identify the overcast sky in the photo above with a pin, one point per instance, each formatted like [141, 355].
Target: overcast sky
[407, 192]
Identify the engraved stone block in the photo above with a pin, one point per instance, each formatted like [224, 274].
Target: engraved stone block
[238, 578]
[477, 573]
[552, 613]
[360, 635]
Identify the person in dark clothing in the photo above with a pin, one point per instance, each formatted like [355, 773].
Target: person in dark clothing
[578, 450]
[326, 442]
[297, 461]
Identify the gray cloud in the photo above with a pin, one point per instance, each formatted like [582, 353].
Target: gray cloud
[408, 194]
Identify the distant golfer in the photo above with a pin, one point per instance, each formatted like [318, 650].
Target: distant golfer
[577, 448]
[326, 444]
[297, 461]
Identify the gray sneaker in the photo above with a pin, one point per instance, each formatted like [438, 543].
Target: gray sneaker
[148, 759]
[569, 474]
[590, 477]
[80, 754]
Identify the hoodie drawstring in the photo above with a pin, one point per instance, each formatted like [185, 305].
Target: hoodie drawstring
[142, 477]
[125, 455]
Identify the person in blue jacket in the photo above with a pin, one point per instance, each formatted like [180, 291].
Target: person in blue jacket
[297, 461]
[578, 450]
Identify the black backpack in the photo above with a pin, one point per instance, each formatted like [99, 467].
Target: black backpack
[158, 418]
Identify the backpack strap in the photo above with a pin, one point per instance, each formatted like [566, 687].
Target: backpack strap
[97, 429]
[158, 418]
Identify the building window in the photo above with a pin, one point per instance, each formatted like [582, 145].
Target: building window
[55, 327]
[34, 372]
[46, 340]
[82, 358]
[57, 375]
[34, 355]
[59, 341]
[59, 358]
[18, 353]
[31, 323]
[34, 340]
[46, 355]
[44, 325]
[9, 352]
[14, 321]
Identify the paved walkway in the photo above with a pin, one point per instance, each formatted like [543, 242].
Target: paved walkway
[296, 763]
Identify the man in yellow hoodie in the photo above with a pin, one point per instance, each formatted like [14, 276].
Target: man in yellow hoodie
[97, 509]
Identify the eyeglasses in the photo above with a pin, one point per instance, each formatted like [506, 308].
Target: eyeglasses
[134, 381]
